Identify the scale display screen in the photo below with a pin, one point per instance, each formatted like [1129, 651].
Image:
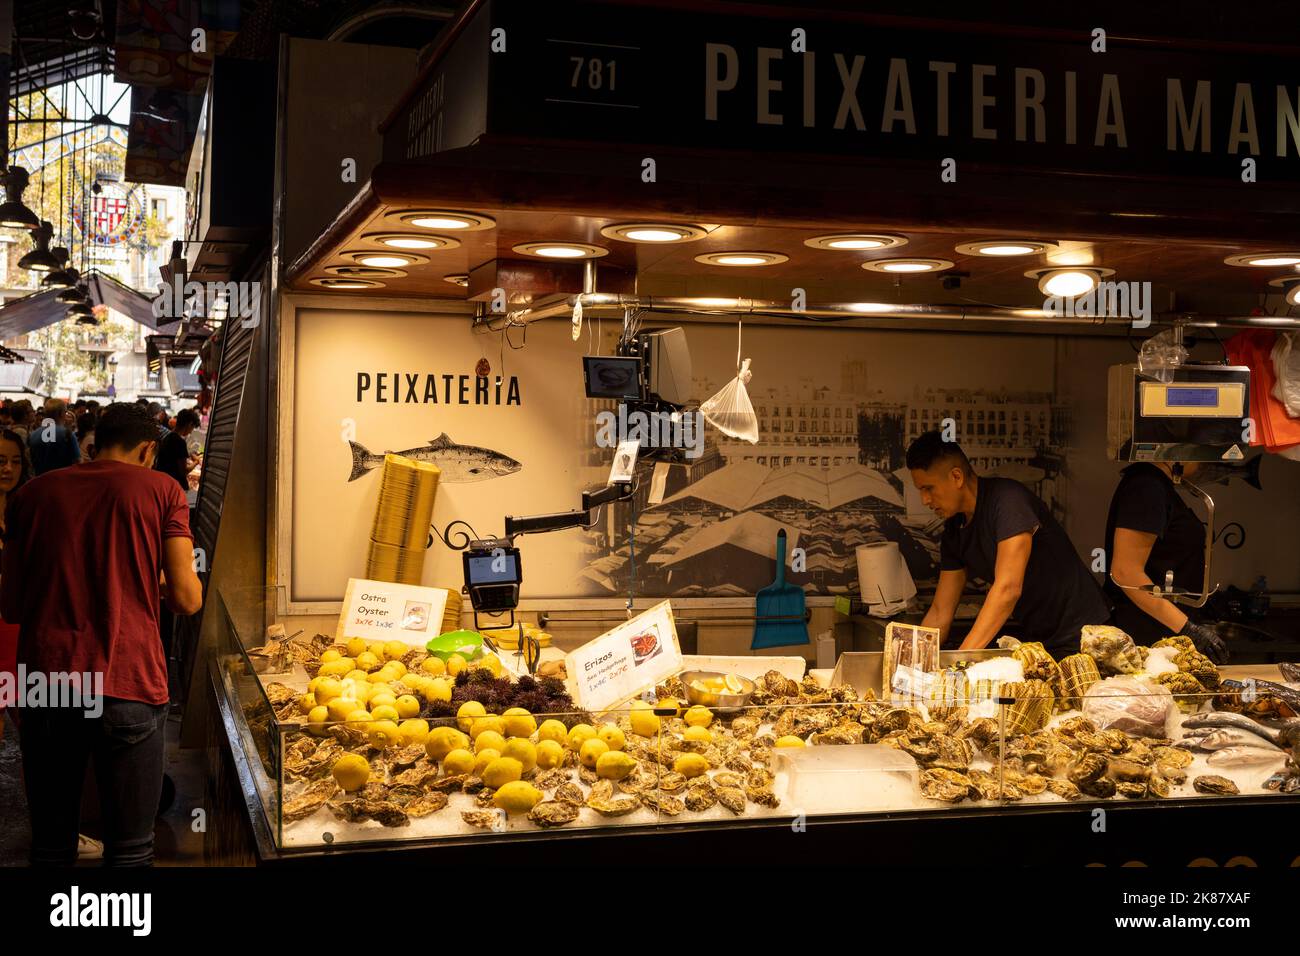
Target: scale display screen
[1183, 397]
[481, 571]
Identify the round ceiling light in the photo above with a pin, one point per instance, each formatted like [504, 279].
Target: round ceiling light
[741, 258]
[561, 250]
[1264, 259]
[457, 278]
[899, 266]
[338, 282]
[365, 272]
[385, 259]
[653, 232]
[1068, 283]
[856, 241]
[444, 220]
[1003, 247]
[412, 240]
[1291, 287]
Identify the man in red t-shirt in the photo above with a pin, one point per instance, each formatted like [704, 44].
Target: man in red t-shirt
[100, 537]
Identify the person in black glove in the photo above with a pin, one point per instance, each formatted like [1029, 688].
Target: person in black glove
[1152, 532]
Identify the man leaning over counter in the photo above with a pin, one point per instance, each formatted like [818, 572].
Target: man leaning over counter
[997, 530]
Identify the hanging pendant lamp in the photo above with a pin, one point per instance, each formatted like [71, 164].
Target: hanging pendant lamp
[59, 278]
[79, 311]
[14, 212]
[77, 292]
[41, 259]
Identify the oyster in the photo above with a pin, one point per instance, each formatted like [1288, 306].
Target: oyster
[407, 757]
[638, 781]
[761, 755]
[385, 812]
[1158, 786]
[570, 793]
[484, 819]
[952, 753]
[550, 779]
[587, 776]
[1117, 741]
[1073, 725]
[984, 786]
[603, 801]
[447, 784]
[1102, 787]
[278, 694]
[892, 721]
[1127, 771]
[662, 802]
[729, 778]
[763, 796]
[426, 804]
[484, 797]
[1215, 785]
[554, 813]
[733, 798]
[700, 797]
[672, 782]
[746, 724]
[421, 776]
[778, 685]
[1028, 783]
[1174, 774]
[1064, 789]
[946, 785]
[1172, 756]
[738, 763]
[1089, 767]
[839, 734]
[473, 784]
[310, 800]
[1131, 790]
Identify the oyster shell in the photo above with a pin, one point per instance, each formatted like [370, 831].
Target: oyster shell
[1174, 774]
[484, 797]
[310, 800]
[839, 734]
[946, 785]
[1089, 767]
[1064, 789]
[278, 694]
[385, 812]
[763, 796]
[603, 801]
[952, 753]
[700, 797]
[745, 725]
[738, 763]
[1102, 787]
[587, 776]
[554, 813]
[1131, 790]
[408, 757]
[570, 793]
[550, 779]
[662, 802]
[447, 784]
[760, 777]
[484, 819]
[472, 784]
[426, 804]
[1122, 770]
[1158, 786]
[421, 776]
[1215, 785]
[733, 798]
[1172, 756]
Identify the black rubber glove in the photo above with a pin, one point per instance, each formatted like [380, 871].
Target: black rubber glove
[1207, 642]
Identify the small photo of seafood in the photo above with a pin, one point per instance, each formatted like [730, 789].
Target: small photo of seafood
[415, 616]
[645, 645]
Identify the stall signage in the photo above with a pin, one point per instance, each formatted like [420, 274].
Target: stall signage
[627, 660]
[874, 90]
[382, 611]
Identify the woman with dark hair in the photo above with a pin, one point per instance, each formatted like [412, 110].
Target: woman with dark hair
[15, 471]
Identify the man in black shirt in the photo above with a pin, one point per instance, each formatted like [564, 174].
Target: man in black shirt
[174, 452]
[1150, 531]
[998, 531]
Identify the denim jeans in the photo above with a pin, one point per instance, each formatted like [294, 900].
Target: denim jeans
[126, 745]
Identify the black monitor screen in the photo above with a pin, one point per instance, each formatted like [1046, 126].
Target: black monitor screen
[609, 376]
[481, 570]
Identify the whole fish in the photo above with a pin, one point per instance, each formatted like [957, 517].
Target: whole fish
[1232, 737]
[458, 463]
[1244, 757]
[1222, 473]
[1225, 718]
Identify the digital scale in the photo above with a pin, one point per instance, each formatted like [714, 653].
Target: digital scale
[1200, 415]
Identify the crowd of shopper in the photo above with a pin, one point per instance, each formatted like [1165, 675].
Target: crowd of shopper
[96, 543]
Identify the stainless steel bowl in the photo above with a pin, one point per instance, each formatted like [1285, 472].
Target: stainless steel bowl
[721, 703]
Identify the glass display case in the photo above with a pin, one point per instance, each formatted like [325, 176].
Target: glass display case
[358, 742]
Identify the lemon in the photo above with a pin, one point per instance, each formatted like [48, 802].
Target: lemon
[698, 733]
[443, 740]
[385, 712]
[376, 648]
[383, 734]
[340, 707]
[433, 665]
[491, 663]
[394, 650]
[356, 647]
[330, 655]
[698, 716]
[414, 731]
[351, 771]
[591, 750]
[357, 674]
[517, 797]
[407, 706]
[335, 668]
[469, 711]
[411, 680]
[358, 717]
[306, 703]
[458, 761]
[519, 723]
[612, 736]
[489, 740]
[483, 759]
[381, 699]
[316, 720]
[438, 690]
[367, 661]
[644, 720]
[356, 689]
[733, 684]
[691, 765]
[789, 741]
[579, 735]
[501, 771]
[521, 749]
[489, 723]
[553, 730]
[397, 667]
[381, 676]
[669, 702]
[614, 765]
[456, 664]
[550, 754]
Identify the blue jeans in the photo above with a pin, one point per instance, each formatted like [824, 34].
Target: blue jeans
[126, 745]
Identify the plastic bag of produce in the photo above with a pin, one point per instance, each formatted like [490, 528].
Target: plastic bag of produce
[1130, 705]
[1112, 649]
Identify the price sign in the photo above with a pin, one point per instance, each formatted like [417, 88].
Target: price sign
[621, 663]
[382, 611]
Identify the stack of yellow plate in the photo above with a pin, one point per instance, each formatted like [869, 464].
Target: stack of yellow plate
[402, 517]
[509, 640]
[451, 617]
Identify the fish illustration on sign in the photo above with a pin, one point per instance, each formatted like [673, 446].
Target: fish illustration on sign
[458, 463]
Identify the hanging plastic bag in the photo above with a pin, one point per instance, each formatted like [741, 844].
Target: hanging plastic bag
[1160, 355]
[1286, 363]
[730, 411]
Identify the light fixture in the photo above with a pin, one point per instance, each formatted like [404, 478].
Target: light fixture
[365, 272]
[87, 320]
[653, 232]
[337, 282]
[852, 241]
[457, 278]
[85, 19]
[1290, 286]
[60, 278]
[1068, 283]
[445, 220]
[900, 266]
[872, 307]
[74, 294]
[742, 258]
[14, 212]
[41, 259]
[80, 310]
[386, 259]
[1003, 247]
[561, 250]
[1264, 259]
[412, 240]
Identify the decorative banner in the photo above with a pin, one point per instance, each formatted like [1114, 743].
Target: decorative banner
[113, 217]
[623, 662]
[378, 610]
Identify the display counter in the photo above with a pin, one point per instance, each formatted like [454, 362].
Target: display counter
[1035, 775]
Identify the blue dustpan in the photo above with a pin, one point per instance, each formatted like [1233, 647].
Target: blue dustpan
[779, 619]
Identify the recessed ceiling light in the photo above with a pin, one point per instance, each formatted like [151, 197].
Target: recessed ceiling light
[1264, 259]
[851, 241]
[653, 232]
[1068, 283]
[444, 220]
[1291, 285]
[561, 250]
[412, 240]
[907, 265]
[1003, 247]
[386, 259]
[364, 272]
[457, 278]
[741, 258]
[334, 282]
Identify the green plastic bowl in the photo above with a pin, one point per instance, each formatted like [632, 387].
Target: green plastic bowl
[468, 644]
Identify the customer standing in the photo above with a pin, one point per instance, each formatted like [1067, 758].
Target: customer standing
[15, 470]
[174, 452]
[100, 536]
[52, 441]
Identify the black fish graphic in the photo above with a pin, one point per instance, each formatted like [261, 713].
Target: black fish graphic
[456, 462]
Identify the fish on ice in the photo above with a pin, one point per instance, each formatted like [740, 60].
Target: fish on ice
[458, 463]
[1244, 757]
[1226, 718]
